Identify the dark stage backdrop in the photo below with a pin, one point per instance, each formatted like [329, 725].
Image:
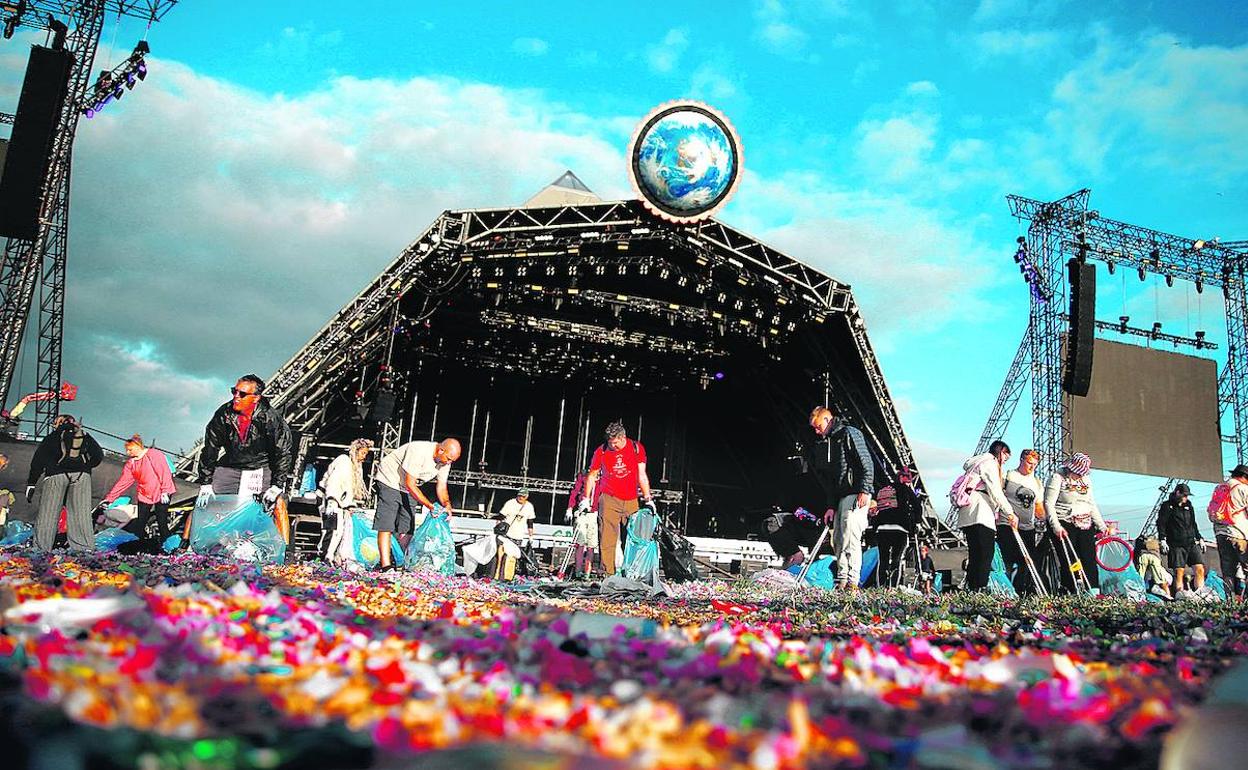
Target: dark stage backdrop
[1150, 412]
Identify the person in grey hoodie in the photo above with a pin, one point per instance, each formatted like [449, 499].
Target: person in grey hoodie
[1074, 516]
[978, 519]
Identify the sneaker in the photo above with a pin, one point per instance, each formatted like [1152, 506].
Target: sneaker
[1159, 590]
[1186, 595]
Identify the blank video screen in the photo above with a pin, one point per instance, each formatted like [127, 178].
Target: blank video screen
[1151, 412]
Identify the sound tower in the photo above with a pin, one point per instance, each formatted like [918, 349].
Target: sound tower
[1077, 372]
[30, 146]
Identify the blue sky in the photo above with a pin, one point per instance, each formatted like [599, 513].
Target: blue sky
[294, 149]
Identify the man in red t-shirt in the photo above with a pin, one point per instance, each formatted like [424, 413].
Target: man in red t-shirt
[621, 464]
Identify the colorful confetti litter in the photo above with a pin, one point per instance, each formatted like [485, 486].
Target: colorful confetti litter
[175, 659]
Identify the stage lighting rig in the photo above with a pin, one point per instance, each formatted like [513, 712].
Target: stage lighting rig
[16, 11]
[1030, 274]
[112, 84]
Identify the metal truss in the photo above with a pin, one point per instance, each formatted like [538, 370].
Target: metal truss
[466, 245]
[551, 486]
[41, 262]
[1066, 228]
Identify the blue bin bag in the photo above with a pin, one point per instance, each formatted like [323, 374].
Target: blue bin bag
[237, 527]
[870, 560]
[1214, 581]
[1128, 583]
[641, 553]
[109, 539]
[16, 533]
[998, 580]
[119, 502]
[432, 548]
[822, 572]
[309, 480]
[364, 542]
[938, 582]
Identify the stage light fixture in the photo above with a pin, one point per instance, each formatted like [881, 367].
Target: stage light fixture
[719, 375]
[1169, 280]
[1198, 245]
[1156, 329]
[1200, 286]
[1122, 323]
[1110, 264]
[1200, 339]
[1141, 272]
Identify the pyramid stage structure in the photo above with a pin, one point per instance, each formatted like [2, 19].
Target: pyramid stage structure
[523, 331]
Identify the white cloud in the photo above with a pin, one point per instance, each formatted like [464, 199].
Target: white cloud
[223, 227]
[1144, 101]
[710, 83]
[664, 56]
[776, 31]
[896, 149]
[995, 10]
[530, 46]
[1014, 42]
[922, 88]
[129, 386]
[900, 258]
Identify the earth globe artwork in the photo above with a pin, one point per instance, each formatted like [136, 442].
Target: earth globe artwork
[685, 161]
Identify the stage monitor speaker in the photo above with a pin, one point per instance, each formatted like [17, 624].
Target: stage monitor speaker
[30, 146]
[382, 409]
[1077, 372]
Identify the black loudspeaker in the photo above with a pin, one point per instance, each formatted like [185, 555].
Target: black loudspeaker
[1077, 373]
[30, 147]
[382, 409]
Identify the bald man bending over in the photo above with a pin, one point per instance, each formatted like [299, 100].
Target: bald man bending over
[398, 482]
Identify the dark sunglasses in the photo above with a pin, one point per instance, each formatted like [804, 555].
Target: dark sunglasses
[240, 393]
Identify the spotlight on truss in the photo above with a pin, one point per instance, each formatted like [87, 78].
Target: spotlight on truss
[113, 84]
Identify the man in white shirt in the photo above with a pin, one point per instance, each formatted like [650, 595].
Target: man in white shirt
[398, 482]
[1025, 494]
[518, 515]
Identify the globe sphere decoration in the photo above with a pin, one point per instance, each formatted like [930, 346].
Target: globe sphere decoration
[685, 161]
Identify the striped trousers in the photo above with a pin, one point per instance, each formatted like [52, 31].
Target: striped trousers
[71, 491]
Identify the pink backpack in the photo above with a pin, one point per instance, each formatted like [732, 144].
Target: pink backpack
[1220, 510]
[963, 486]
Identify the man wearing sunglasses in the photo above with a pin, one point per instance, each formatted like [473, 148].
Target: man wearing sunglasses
[247, 449]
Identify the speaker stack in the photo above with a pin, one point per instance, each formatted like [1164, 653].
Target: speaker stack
[1077, 372]
[30, 145]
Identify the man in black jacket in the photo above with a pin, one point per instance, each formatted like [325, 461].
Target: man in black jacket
[247, 449]
[842, 464]
[1176, 521]
[64, 460]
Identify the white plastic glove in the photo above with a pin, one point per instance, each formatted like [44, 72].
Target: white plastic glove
[205, 496]
[271, 494]
[583, 505]
[30, 494]
[164, 499]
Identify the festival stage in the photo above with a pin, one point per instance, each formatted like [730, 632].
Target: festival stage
[184, 661]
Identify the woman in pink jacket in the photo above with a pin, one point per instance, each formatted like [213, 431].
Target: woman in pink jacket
[148, 470]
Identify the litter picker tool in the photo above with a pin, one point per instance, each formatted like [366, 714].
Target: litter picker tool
[1031, 565]
[1076, 567]
[801, 576]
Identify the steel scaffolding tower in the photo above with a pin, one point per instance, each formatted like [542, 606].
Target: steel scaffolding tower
[1067, 228]
[41, 262]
